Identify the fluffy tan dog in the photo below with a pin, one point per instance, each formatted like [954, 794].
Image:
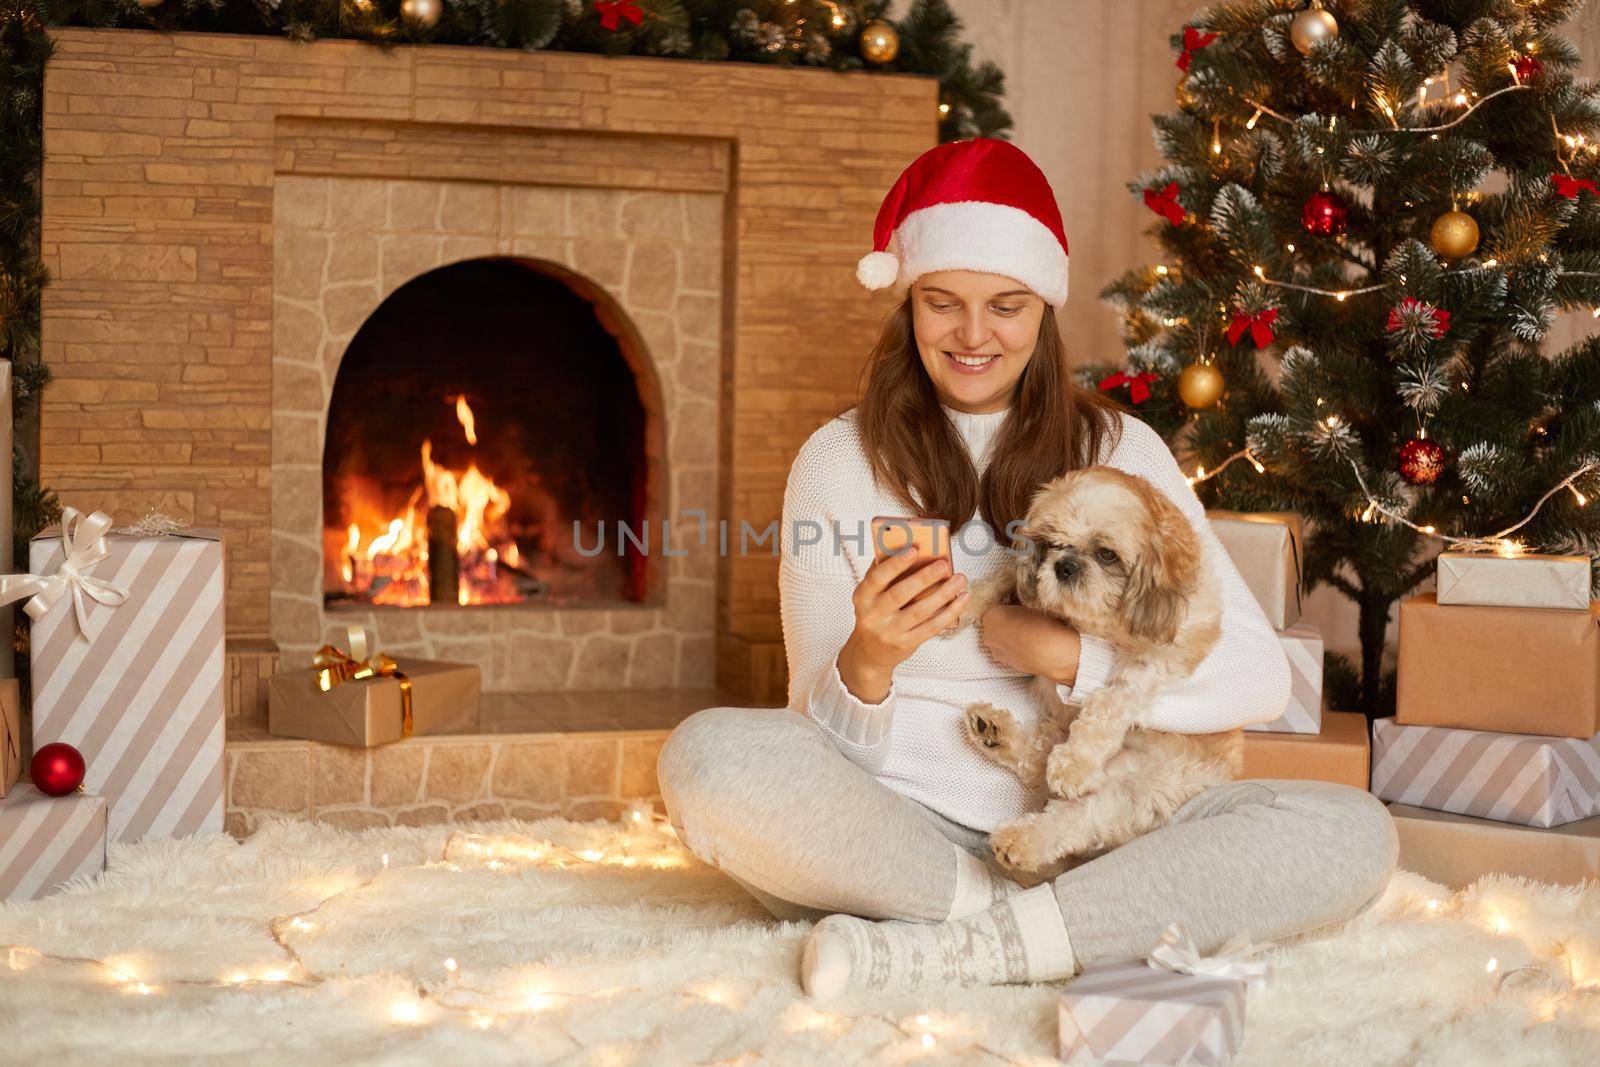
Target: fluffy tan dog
[1112, 557]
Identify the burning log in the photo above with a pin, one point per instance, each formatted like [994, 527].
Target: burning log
[444, 566]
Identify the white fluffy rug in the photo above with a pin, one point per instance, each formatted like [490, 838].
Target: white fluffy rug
[608, 944]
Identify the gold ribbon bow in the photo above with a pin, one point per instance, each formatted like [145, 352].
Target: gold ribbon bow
[83, 540]
[335, 666]
[1176, 951]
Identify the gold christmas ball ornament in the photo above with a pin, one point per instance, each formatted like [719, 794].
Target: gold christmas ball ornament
[1454, 235]
[1182, 94]
[1311, 26]
[421, 13]
[879, 42]
[1200, 385]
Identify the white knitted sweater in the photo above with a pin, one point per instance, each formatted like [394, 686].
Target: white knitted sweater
[914, 740]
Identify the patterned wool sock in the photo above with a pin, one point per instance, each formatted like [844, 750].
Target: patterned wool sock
[978, 886]
[1020, 939]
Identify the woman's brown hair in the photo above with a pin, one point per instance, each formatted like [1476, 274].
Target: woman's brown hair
[1053, 427]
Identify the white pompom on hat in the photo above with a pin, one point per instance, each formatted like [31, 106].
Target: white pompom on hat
[979, 204]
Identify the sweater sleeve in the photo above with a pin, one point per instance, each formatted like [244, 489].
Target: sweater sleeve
[1245, 678]
[815, 584]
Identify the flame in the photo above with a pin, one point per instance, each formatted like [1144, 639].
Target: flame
[484, 544]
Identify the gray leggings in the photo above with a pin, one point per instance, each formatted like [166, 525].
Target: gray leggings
[763, 795]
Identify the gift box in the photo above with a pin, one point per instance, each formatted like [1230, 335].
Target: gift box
[1173, 1007]
[1266, 547]
[44, 841]
[353, 698]
[126, 656]
[1339, 753]
[1523, 581]
[1302, 645]
[1520, 778]
[10, 734]
[1504, 670]
[1457, 850]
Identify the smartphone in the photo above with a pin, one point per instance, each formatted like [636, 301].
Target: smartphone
[891, 534]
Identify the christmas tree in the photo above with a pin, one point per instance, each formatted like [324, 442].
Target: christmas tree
[1370, 214]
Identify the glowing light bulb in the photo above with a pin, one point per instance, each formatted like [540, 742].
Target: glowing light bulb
[1340, 296]
[386, 861]
[927, 1040]
[1256, 463]
[1492, 966]
[405, 1011]
[451, 965]
[1258, 271]
[1200, 473]
[1491, 263]
[539, 1001]
[1582, 500]
[1161, 268]
[1366, 516]
[1428, 530]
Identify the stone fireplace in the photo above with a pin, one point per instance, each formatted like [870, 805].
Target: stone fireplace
[279, 268]
[582, 326]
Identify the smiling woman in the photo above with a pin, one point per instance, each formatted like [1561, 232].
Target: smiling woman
[869, 796]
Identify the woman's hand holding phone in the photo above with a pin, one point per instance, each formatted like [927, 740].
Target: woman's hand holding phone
[888, 626]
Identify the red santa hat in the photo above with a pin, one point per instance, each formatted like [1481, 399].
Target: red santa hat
[979, 204]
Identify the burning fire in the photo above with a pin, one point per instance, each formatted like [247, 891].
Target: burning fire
[395, 556]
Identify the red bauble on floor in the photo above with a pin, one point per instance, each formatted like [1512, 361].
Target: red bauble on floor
[57, 769]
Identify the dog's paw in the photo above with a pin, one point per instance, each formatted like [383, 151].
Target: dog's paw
[1069, 774]
[1020, 849]
[990, 726]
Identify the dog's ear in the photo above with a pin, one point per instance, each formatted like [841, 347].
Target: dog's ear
[1165, 575]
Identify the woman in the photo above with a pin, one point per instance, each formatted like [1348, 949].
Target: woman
[872, 803]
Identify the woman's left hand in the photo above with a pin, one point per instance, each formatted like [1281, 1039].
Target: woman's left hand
[1030, 641]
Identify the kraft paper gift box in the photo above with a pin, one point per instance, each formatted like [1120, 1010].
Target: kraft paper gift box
[1267, 548]
[45, 841]
[10, 734]
[1535, 781]
[1302, 645]
[1457, 850]
[366, 709]
[1504, 670]
[1173, 1008]
[126, 656]
[1339, 753]
[1522, 581]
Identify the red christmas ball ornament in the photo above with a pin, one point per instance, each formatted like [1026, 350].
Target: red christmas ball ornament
[1528, 69]
[1421, 461]
[1325, 214]
[57, 769]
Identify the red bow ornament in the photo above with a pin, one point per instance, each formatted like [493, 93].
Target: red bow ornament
[1138, 384]
[1568, 186]
[1165, 202]
[613, 11]
[1193, 41]
[1413, 309]
[1259, 325]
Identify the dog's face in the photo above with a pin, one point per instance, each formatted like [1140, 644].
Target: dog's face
[1110, 553]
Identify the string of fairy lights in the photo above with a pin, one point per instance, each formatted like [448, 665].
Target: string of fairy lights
[1500, 542]
[453, 996]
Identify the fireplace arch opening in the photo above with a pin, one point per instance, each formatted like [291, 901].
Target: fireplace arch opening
[481, 411]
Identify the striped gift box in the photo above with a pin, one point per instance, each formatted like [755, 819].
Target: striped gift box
[1520, 778]
[139, 690]
[1126, 1011]
[1302, 644]
[45, 841]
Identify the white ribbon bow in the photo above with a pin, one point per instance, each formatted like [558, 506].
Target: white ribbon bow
[83, 538]
[1176, 952]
